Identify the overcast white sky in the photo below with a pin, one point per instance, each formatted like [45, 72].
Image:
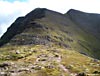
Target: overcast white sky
[11, 9]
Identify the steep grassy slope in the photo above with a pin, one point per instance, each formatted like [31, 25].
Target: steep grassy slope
[89, 24]
[88, 21]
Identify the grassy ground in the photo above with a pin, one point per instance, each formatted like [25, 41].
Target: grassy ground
[49, 61]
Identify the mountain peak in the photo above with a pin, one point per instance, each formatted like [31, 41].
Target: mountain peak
[37, 13]
[71, 10]
[23, 23]
[74, 11]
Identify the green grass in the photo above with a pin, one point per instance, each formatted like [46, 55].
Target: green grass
[83, 41]
[72, 60]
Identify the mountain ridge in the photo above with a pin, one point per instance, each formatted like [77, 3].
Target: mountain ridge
[44, 20]
[48, 43]
[71, 22]
[20, 21]
[23, 21]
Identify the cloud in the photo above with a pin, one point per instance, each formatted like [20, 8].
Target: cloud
[14, 0]
[9, 11]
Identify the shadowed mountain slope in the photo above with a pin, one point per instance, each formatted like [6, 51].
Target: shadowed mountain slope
[90, 24]
[88, 21]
